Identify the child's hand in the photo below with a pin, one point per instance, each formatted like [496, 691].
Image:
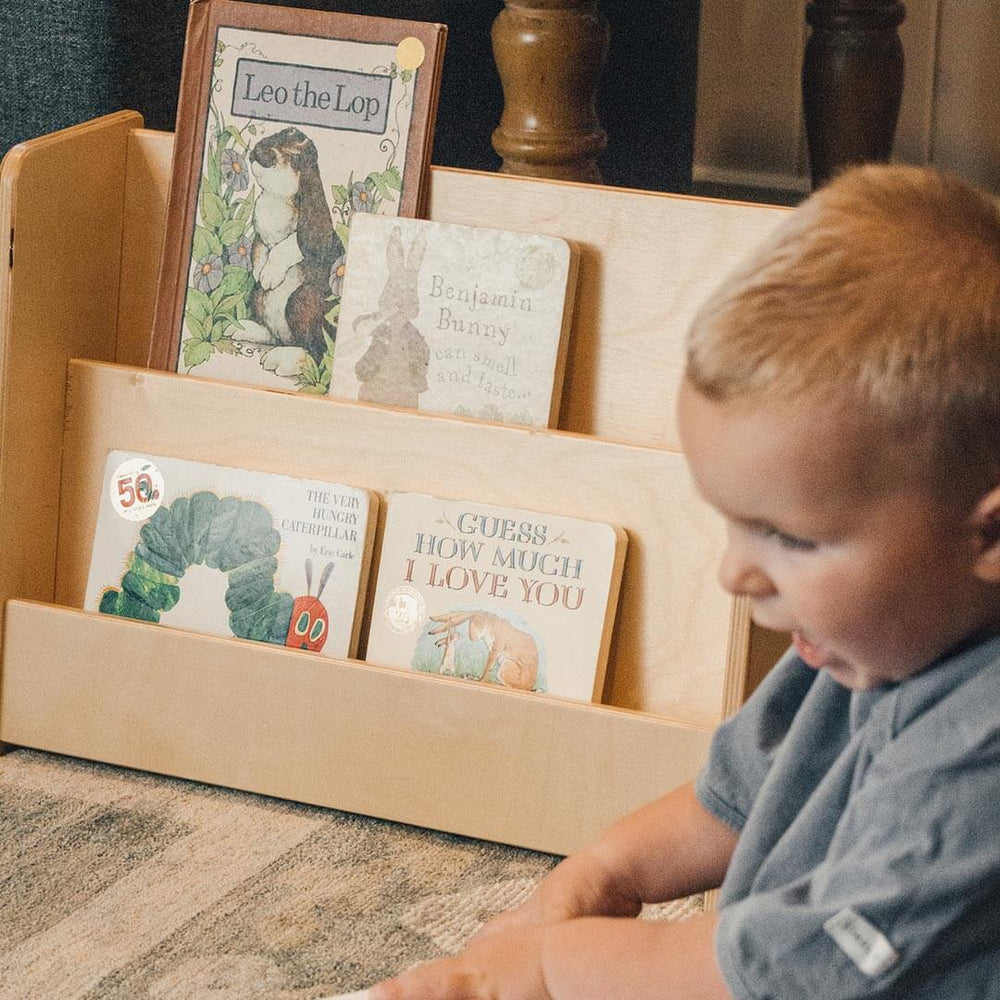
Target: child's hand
[498, 966]
[580, 886]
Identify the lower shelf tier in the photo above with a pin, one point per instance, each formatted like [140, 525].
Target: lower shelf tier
[450, 755]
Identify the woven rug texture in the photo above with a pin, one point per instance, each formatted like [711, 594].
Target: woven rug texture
[122, 885]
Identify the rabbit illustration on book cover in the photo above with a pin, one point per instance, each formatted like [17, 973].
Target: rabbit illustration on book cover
[294, 249]
[393, 369]
[511, 650]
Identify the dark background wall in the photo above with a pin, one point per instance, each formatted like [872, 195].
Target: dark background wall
[68, 61]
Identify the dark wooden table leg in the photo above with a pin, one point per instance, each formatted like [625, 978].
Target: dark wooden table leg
[550, 54]
[852, 82]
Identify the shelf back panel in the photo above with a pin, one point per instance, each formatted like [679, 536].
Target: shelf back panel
[647, 262]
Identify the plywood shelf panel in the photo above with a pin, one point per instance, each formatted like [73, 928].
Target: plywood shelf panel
[451, 755]
[647, 262]
[669, 652]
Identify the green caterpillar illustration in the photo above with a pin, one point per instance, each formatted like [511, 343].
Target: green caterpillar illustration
[238, 538]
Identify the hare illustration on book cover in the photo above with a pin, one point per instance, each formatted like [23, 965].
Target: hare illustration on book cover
[232, 552]
[455, 319]
[513, 597]
[290, 123]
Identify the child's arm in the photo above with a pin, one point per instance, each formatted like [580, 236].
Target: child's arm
[671, 848]
[593, 958]
[596, 958]
[561, 945]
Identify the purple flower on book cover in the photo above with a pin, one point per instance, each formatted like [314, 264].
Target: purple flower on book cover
[208, 273]
[238, 253]
[363, 195]
[234, 169]
[337, 275]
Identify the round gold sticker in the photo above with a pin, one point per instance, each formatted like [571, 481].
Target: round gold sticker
[410, 53]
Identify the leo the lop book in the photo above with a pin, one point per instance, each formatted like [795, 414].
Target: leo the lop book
[232, 552]
[455, 319]
[290, 123]
[498, 595]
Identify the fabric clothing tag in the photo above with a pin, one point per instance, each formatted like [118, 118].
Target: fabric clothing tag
[862, 942]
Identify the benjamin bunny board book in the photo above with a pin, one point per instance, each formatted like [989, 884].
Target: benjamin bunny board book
[290, 122]
[496, 594]
[455, 319]
[232, 552]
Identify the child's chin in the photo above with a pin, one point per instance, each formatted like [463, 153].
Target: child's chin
[811, 653]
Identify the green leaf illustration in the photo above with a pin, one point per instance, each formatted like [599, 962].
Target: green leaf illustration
[196, 352]
[380, 186]
[243, 208]
[235, 280]
[235, 135]
[219, 329]
[198, 325]
[231, 231]
[213, 209]
[205, 243]
[230, 307]
[213, 175]
[198, 304]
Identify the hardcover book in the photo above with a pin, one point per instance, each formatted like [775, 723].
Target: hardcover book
[455, 319]
[232, 552]
[496, 594]
[290, 123]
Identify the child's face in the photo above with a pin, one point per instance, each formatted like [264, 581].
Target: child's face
[833, 538]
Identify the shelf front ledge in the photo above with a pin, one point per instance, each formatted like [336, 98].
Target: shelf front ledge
[536, 772]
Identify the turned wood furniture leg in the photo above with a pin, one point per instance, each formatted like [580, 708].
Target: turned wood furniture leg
[852, 82]
[550, 54]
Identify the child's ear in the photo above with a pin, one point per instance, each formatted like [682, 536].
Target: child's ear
[986, 526]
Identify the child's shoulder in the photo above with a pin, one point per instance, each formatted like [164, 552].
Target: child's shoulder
[950, 710]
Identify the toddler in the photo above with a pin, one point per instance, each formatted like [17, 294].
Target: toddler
[841, 410]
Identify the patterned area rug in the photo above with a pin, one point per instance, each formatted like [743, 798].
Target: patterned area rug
[121, 885]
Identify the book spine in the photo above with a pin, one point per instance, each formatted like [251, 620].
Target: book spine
[196, 72]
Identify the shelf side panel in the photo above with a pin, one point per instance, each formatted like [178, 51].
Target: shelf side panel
[62, 206]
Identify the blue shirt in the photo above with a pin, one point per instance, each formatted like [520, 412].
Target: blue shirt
[868, 863]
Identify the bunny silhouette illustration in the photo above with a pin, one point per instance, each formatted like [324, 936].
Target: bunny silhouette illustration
[393, 368]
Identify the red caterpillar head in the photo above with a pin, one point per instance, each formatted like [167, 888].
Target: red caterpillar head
[310, 622]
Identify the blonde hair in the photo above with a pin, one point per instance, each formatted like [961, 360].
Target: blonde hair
[882, 290]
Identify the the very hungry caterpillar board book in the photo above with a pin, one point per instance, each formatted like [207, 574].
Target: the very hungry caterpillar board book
[497, 594]
[232, 552]
[290, 122]
[455, 319]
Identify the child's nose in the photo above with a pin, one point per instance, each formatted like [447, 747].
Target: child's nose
[740, 575]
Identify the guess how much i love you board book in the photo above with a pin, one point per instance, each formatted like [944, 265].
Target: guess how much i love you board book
[232, 552]
[455, 319]
[496, 594]
[290, 123]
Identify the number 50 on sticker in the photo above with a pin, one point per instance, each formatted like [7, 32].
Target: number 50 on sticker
[136, 489]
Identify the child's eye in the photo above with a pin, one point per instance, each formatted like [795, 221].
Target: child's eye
[792, 541]
[769, 532]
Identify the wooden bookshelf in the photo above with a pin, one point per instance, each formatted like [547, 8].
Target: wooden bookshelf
[85, 208]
